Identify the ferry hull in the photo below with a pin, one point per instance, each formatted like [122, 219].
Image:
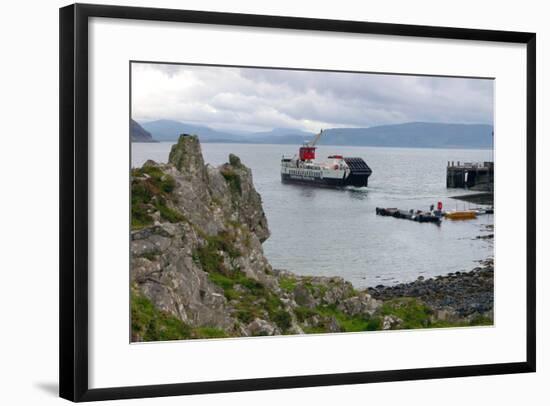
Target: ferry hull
[352, 180]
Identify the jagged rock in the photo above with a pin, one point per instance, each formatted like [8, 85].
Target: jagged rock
[246, 201]
[337, 289]
[304, 297]
[150, 162]
[235, 161]
[446, 314]
[295, 327]
[391, 322]
[164, 230]
[186, 156]
[260, 327]
[153, 245]
[165, 266]
[144, 270]
[362, 304]
[331, 325]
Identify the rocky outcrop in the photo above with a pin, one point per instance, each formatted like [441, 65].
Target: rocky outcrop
[198, 269]
[202, 225]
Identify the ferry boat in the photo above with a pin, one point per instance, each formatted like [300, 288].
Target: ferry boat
[337, 171]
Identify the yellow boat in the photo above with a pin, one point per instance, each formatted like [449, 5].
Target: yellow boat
[461, 215]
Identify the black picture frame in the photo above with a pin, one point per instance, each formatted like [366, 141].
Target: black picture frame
[73, 277]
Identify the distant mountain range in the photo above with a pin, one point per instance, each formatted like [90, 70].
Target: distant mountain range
[169, 130]
[138, 133]
[417, 135]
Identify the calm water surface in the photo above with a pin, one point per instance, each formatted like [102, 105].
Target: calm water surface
[332, 232]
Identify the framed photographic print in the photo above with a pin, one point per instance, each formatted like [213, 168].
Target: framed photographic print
[256, 202]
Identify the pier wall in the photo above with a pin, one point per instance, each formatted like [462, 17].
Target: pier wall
[468, 175]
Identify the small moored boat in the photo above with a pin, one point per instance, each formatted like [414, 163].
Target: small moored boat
[461, 215]
[433, 216]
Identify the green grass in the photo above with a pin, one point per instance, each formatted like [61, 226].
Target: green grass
[347, 323]
[481, 321]
[314, 330]
[150, 189]
[141, 197]
[225, 282]
[151, 324]
[303, 313]
[413, 312]
[163, 181]
[256, 302]
[317, 290]
[282, 318]
[374, 324]
[171, 215]
[210, 254]
[288, 284]
[416, 314]
[251, 299]
[208, 332]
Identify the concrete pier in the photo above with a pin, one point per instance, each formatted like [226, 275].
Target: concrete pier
[470, 175]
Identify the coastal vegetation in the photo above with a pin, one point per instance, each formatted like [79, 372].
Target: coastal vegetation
[151, 190]
[152, 324]
[198, 269]
[233, 180]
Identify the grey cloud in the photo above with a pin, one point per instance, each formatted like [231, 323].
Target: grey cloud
[266, 98]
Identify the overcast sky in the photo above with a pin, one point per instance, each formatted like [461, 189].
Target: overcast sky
[261, 99]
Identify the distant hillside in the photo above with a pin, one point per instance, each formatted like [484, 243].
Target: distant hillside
[138, 133]
[412, 135]
[170, 130]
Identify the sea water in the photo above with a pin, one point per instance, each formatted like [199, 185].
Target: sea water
[336, 232]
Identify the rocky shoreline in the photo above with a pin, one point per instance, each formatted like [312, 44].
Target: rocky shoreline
[198, 269]
[453, 296]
